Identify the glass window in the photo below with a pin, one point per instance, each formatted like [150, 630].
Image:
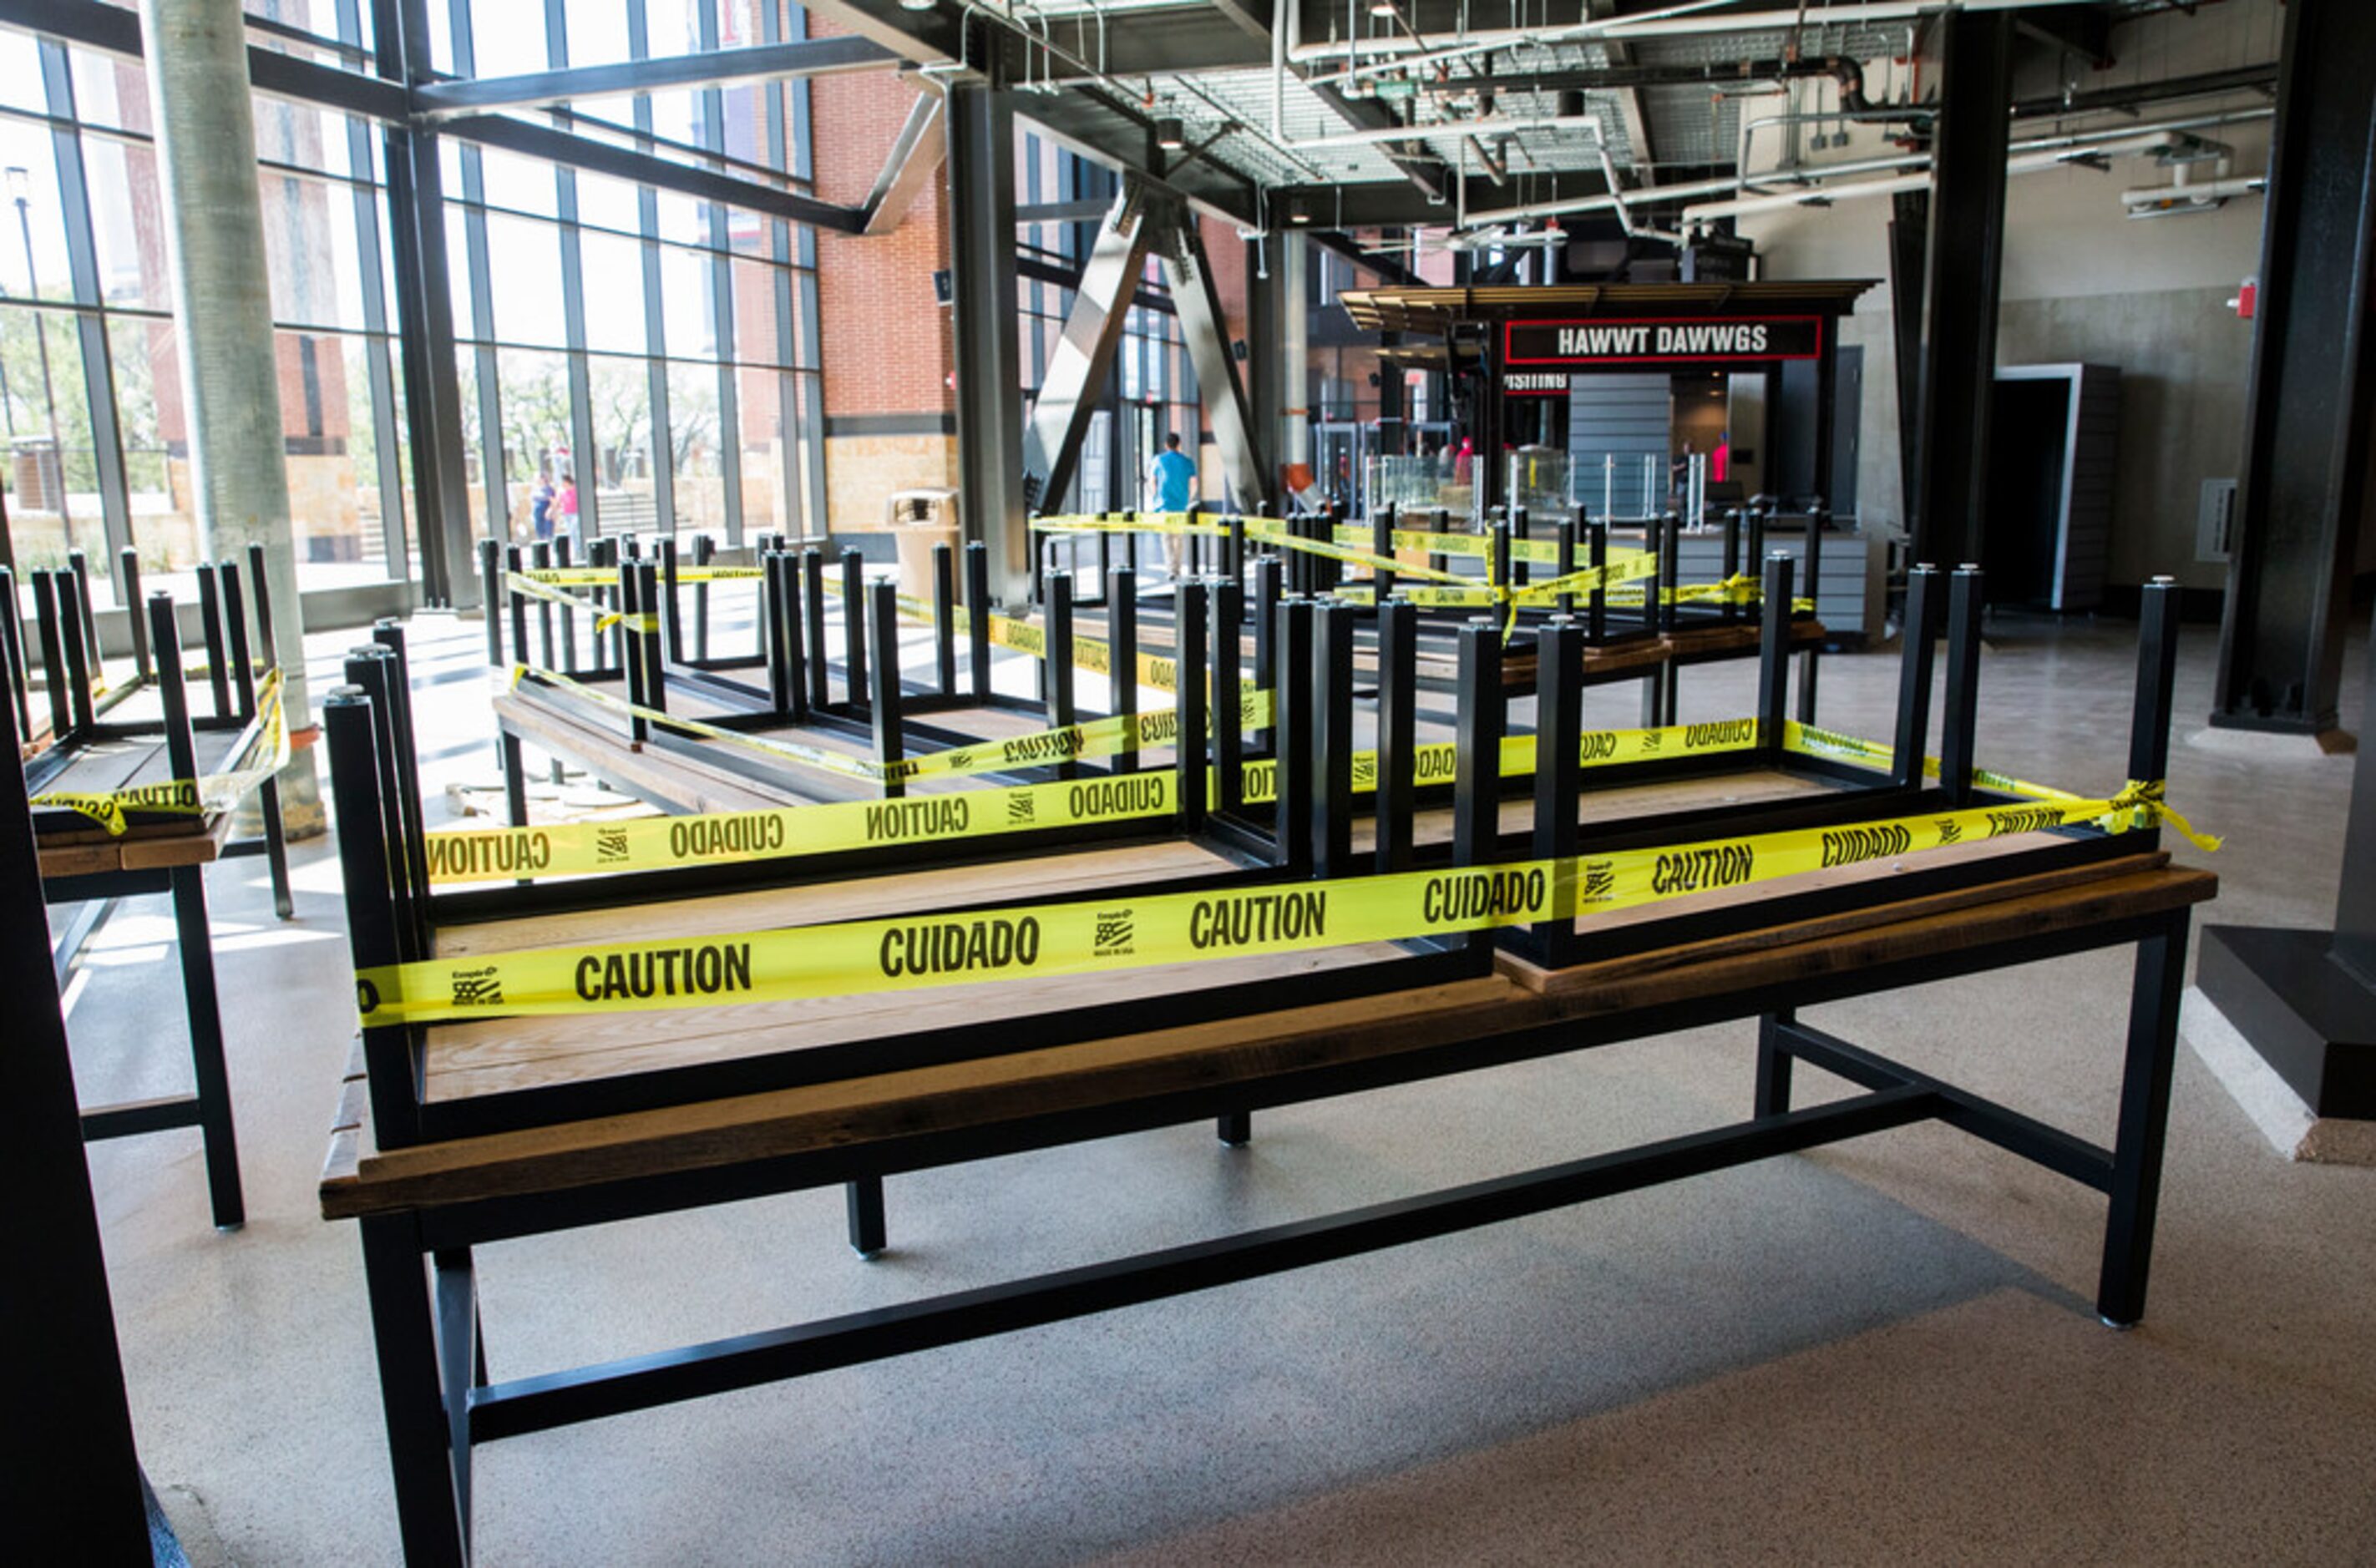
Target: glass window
[52, 478]
[535, 393]
[469, 320]
[525, 265]
[478, 473]
[21, 72]
[293, 133]
[760, 397]
[441, 39]
[507, 36]
[692, 436]
[127, 227]
[746, 122]
[142, 349]
[309, 244]
[681, 220]
[34, 227]
[676, 113]
[754, 310]
[613, 270]
[673, 25]
[621, 407]
[109, 91]
[521, 184]
[325, 398]
[687, 290]
[606, 203]
[598, 33]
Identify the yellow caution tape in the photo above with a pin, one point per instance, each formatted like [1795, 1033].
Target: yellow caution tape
[469, 855]
[1543, 552]
[1089, 653]
[657, 843]
[1436, 761]
[1127, 932]
[1809, 741]
[502, 854]
[1136, 522]
[190, 797]
[533, 588]
[1045, 748]
[608, 576]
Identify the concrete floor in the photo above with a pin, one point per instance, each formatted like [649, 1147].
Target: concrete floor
[1883, 1353]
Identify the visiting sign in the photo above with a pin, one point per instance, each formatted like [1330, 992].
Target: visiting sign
[1758, 340]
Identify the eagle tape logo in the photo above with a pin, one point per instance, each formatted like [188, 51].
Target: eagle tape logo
[479, 987]
[1114, 934]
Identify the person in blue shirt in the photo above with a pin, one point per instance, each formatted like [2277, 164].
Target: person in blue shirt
[1172, 483]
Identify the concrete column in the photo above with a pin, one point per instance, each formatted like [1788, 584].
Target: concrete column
[989, 396]
[1294, 356]
[196, 60]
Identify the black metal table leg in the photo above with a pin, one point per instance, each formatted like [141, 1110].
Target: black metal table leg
[461, 1368]
[1773, 1093]
[206, 1046]
[2145, 1119]
[420, 1444]
[868, 1232]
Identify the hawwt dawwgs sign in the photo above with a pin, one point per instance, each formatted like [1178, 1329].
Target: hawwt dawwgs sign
[1689, 341]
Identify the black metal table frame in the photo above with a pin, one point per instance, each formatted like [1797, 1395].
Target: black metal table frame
[394, 913]
[1306, 833]
[438, 1400]
[208, 1106]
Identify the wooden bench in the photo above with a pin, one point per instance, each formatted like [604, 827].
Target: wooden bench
[439, 1200]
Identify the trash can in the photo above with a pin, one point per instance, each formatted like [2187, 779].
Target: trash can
[920, 519]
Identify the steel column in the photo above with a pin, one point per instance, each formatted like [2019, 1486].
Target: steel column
[2303, 486]
[1206, 331]
[1966, 262]
[433, 399]
[1083, 355]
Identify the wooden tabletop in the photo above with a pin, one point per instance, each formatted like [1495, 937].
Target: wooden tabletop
[97, 853]
[888, 1109]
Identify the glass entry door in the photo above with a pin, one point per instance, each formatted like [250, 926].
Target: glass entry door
[1340, 452]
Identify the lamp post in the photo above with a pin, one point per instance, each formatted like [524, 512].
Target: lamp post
[20, 187]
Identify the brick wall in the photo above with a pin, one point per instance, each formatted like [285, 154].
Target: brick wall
[884, 343]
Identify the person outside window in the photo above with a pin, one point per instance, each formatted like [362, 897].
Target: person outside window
[539, 505]
[564, 509]
[1170, 484]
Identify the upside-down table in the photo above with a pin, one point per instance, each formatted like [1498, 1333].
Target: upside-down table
[423, 1207]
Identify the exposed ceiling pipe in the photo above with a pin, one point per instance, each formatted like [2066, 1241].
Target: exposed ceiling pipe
[2209, 193]
[1410, 52]
[1624, 217]
[1493, 167]
[1690, 18]
[2126, 137]
[1454, 128]
[2059, 153]
[1618, 78]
